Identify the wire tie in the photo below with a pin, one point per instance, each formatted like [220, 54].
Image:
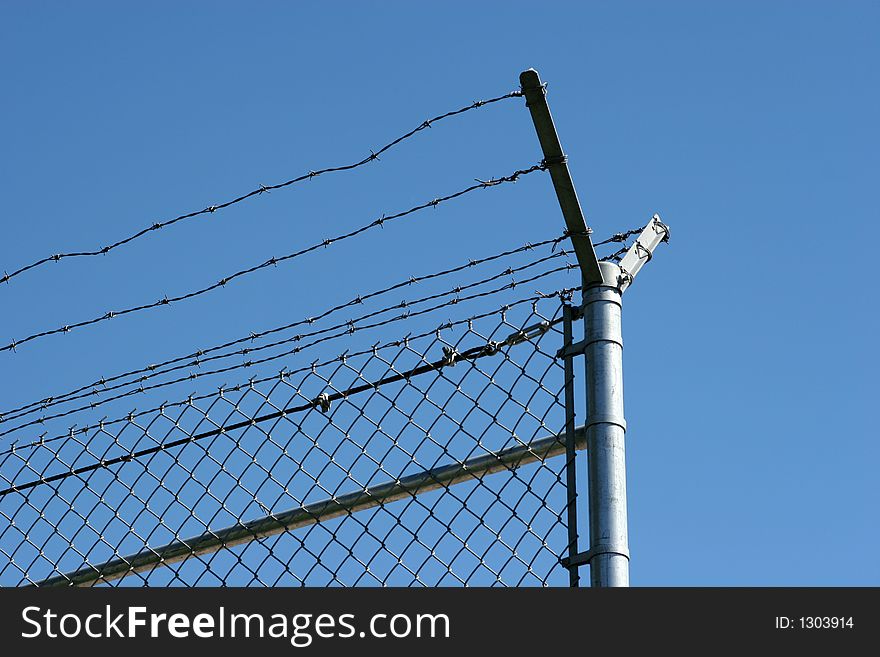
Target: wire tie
[492, 348]
[660, 226]
[549, 161]
[323, 402]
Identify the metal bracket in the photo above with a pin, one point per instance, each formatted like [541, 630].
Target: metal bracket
[641, 252]
[556, 164]
[573, 349]
[583, 558]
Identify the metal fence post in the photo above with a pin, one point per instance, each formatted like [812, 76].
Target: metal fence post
[603, 285]
[606, 428]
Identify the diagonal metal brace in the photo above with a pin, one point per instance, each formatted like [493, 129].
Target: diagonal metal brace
[555, 161]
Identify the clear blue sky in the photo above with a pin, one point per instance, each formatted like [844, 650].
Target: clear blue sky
[751, 341]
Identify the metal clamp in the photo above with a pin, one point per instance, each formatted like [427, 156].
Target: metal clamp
[573, 349]
[583, 558]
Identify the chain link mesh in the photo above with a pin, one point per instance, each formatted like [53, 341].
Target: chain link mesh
[432, 461]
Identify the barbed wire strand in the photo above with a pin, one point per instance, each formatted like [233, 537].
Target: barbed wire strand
[621, 237]
[616, 256]
[563, 293]
[374, 155]
[491, 348]
[102, 382]
[347, 330]
[165, 301]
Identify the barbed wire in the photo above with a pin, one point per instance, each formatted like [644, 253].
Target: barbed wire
[616, 256]
[345, 329]
[564, 294]
[102, 382]
[158, 369]
[374, 155]
[621, 237]
[378, 223]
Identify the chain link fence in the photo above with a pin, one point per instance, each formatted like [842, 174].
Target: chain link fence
[433, 460]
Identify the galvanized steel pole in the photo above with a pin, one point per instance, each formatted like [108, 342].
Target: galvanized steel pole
[603, 285]
[605, 427]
